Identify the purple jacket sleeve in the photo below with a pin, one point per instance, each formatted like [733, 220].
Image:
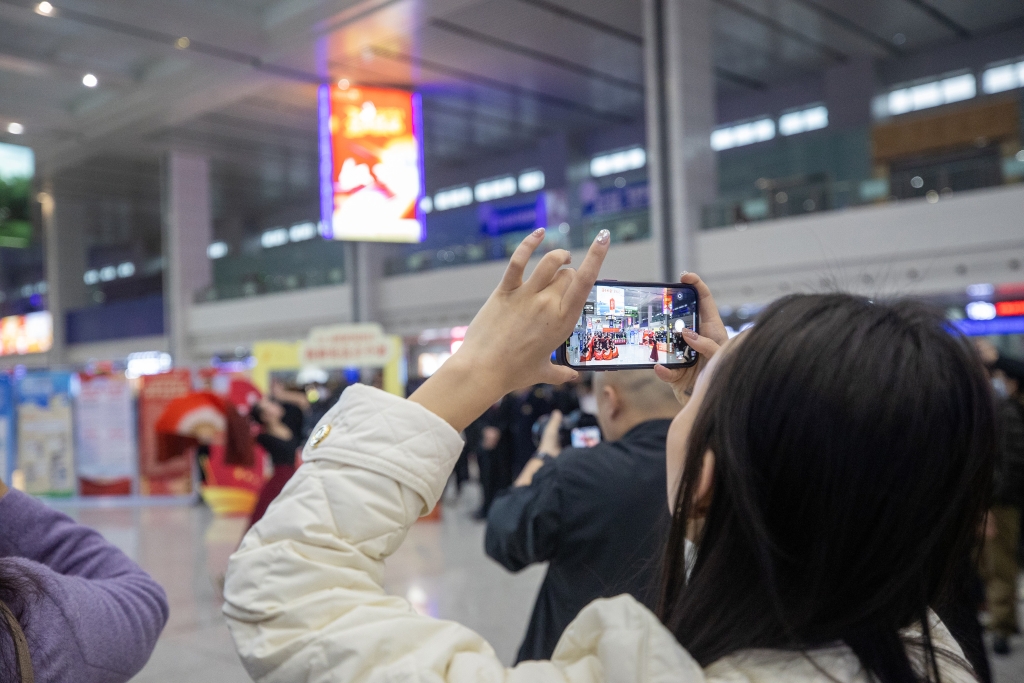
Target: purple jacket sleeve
[97, 615]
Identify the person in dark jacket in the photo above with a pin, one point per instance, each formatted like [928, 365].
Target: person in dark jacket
[598, 515]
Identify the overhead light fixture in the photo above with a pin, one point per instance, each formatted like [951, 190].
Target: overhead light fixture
[126, 269]
[217, 250]
[811, 118]
[453, 198]
[91, 277]
[182, 43]
[15, 128]
[426, 204]
[1002, 78]
[925, 95]
[741, 134]
[531, 181]
[302, 231]
[980, 310]
[44, 8]
[494, 189]
[108, 273]
[89, 81]
[618, 162]
[274, 238]
[344, 84]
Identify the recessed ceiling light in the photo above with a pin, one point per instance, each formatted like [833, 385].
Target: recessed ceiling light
[15, 128]
[182, 43]
[89, 81]
[44, 8]
[344, 84]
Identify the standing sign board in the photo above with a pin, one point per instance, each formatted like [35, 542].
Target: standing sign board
[6, 429]
[347, 346]
[173, 477]
[46, 432]
[105, 431]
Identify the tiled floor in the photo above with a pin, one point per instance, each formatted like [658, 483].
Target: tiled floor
[441, 568]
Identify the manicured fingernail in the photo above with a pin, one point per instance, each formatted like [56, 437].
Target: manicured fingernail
[538, 232]
[689, 334]
[683, 274]
[603, 237]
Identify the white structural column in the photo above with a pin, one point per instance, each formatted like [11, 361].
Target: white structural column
[55, 275]
[188, 230]
[65, 261]
[680, 103]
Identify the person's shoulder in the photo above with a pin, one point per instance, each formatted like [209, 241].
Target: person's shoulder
[623, 631]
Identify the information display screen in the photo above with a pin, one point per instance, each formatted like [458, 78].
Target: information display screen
[371, 164]
[21, 334]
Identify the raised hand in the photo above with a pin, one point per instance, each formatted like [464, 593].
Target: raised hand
[712, 336]
[509, 343]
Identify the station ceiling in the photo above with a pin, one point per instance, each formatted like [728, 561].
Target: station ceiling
[495, 74]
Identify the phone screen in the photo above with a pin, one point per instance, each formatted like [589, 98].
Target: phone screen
[585, 437]
[633, 325]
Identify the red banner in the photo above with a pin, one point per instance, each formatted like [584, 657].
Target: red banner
[173, 477]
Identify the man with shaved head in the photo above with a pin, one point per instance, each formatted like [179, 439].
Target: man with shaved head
[597, 515]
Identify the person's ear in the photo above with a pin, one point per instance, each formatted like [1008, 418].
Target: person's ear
[613, 400]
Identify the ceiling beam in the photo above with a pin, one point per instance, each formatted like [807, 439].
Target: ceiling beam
[585, 20]
[938, 15]
[780, 28]
[502, 86]
[851, 26]
[536, 55]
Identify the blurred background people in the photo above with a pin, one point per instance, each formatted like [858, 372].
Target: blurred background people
[598, 514]
[280, 424]
[999, 561]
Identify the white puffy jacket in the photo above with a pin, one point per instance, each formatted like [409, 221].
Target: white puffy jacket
[304, 599]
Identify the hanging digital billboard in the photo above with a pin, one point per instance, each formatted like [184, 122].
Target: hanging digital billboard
[371, 164]
[21, 334]
[17, 166]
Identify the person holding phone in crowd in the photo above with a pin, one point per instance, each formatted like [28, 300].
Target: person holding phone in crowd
[824, 476]
[596, 515]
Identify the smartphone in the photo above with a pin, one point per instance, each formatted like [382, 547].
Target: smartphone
[633, 326]
[585, 437]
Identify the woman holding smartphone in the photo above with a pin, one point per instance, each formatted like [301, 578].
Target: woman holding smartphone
[830, 469]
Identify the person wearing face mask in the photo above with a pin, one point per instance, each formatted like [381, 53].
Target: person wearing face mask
[999, 566]
[595, 514]
[824, 476]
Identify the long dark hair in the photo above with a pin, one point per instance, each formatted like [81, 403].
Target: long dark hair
[854, 443]
[17, 586]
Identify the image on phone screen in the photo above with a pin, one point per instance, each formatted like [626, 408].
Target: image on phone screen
[632, 325]
[585, 437]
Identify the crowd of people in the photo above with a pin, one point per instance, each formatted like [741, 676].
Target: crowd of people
[598, 346]
[811, 501]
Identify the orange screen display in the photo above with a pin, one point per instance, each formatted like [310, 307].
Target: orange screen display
[20, 334]
[376, 163]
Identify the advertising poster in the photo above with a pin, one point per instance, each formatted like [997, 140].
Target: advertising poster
[610, 300]
[105, 435]
[6, 428]
[173, 477]
[17, 166]
[46, 432]
[21, 334]
[376, 165]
